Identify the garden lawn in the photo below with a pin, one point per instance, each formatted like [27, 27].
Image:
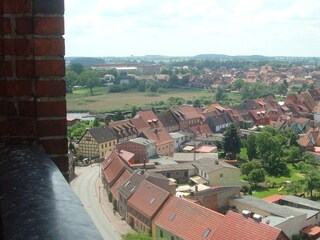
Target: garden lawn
[265, 192]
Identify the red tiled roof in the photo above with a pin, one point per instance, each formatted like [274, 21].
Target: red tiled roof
[114, 189]
[127, 156]
[311, 230]
[274, 198]
[150, 118]
[114, 168]
[139, 124]
[188, 220]
[235, 226]
[189, 112]
[206, 149]
[148, 198]
[160, 136]
[202, 130]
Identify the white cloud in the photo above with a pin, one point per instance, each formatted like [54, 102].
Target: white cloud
[188, 27]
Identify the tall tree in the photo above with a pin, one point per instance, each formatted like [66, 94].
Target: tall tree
[312, 180]
[71, 80]
[90, 79]
[251, 147]
[232, 142]
[220, 94]
[257, 176]
[76, 67]
[238, 84]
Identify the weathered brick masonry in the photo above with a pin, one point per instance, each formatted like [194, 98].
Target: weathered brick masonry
[32, 70]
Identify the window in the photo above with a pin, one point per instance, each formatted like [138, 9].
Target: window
[186, 173]
[221, 175]
[168, 175]
[161, 233]
[172, 237]
[109, 144]
[206, 233]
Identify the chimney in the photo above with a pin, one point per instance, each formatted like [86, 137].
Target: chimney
[216, 162]
[196, 188]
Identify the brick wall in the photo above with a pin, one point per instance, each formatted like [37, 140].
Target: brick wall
[32, 70]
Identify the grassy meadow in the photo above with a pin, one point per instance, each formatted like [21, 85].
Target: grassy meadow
[102, 101]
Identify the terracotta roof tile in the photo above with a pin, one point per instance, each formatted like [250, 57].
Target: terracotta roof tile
[202, 130]
[114, 167]
[150, 118]
[274, 198]
[148, 198]
[187, 112]
[160, 136]
[114, 189]
[188, 220]
[235, 226]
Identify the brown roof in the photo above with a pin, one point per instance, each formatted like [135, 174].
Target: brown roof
[160, 136]
[114, 189]
[148, 198]
[236, 226]
[187, 112]
[114, 167]
[139, 124]
[188, 220]
[202, 130]
[150, 118]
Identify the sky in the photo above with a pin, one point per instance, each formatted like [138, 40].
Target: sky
[104, 28]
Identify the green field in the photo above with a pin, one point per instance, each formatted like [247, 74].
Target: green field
[102, 101]
[265, 192]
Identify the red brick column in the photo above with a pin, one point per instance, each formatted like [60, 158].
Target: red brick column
[32, 70]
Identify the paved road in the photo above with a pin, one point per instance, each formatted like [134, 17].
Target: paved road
[85, 186]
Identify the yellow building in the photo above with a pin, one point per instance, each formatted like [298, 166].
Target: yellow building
[95, 142]
[217, 172]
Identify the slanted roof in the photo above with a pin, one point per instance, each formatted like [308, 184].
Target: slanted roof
[202, 130]
[114, 189]
[303, 202]
[206, 149]
[142, 141]
[160, 136]
[150, 118]
[114, 167]
[132, 183]
[272, 208]
[102, 134]
[148, 198]
[311, 230]
[224, 118]
[172, 167]
[167, 119]
[210, 165]
[186, 112]
[188, 220]
[273, 198]
[139, 124]
[236, 226]
[176, 135]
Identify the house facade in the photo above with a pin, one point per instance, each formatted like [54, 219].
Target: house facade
[142, 148]
[187, 116]
[178, 140]
[96, 142]
[219, 123]
[182, 219]
[144, 204]
[124, 130]
[217, 172]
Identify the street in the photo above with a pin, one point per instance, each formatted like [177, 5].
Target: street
[87, 185]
